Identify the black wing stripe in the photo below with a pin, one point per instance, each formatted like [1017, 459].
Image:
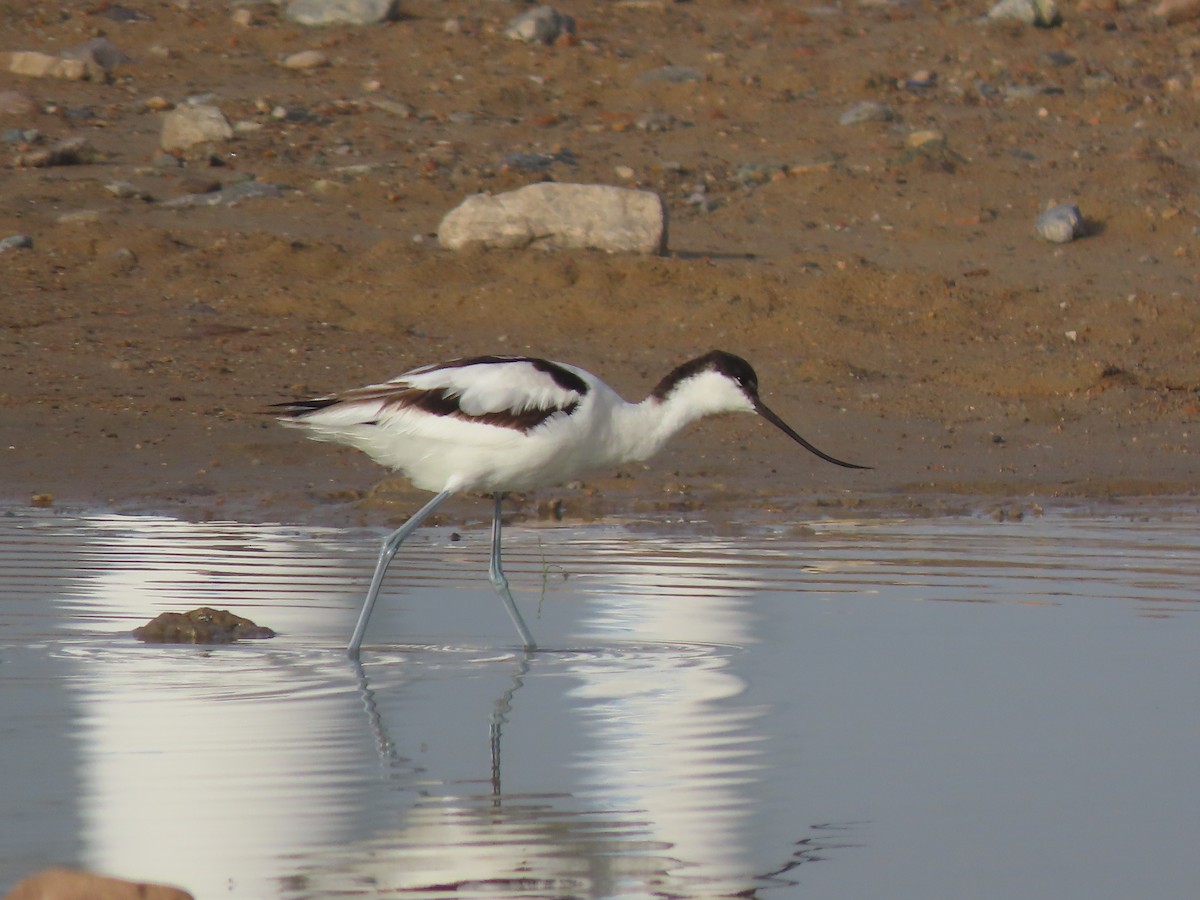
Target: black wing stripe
[439, 403]
[564, 378]
[297, 408]
[436, 403]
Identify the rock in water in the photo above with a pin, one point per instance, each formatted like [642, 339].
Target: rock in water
[200, 626]
[74, 884]
[557, 216]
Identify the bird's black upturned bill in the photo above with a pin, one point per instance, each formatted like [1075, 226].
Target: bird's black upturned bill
[783, 426]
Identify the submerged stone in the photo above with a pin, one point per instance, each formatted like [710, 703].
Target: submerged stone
[60, 883]
[200, 626]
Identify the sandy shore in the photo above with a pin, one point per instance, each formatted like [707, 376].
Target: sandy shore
[897, 304]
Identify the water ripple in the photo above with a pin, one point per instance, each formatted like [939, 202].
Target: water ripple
[903, 700]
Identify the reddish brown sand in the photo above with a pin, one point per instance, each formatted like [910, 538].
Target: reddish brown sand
[896, 303]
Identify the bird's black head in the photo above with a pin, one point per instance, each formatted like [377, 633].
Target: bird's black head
[731, 366]
[737, 371]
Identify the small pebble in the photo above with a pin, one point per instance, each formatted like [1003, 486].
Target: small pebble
[21, 136]
[193, 124]
[920, 80]
[305, 59]
[1061, 224]
[126, 191]
[16, 242]
[395, 107]
[670, 75]
[921, 138]
[540, 25]
[80, 217]
[117, 13]
[229, 195]
[291, 114]
[867, 111]
[199, 186]
[655, 121]
[15, 103]
[1058, 58]
[163, 160]
[1041, 13]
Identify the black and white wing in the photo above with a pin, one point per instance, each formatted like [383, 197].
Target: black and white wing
[517, 393]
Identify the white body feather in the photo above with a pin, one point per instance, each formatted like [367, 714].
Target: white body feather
[456, 453]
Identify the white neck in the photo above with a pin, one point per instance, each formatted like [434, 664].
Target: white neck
[642, 429]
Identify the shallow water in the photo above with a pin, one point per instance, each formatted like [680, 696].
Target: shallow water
[934, 708]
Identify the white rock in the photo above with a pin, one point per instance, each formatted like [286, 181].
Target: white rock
[395, 107]
[926, 136]
[1042, 13]
[42, 65]
[341, 12]
[306, 59]
[80, 217]
[190, 125]
[867, 111]
[126, 191]
[93, 60]
[1061, 224]
[540, 25]
[16, 242]
[557, 216]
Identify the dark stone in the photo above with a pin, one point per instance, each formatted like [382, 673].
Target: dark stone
[200, 626]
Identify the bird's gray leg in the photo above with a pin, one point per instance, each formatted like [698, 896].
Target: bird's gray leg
[500, 583]
[390, 545]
